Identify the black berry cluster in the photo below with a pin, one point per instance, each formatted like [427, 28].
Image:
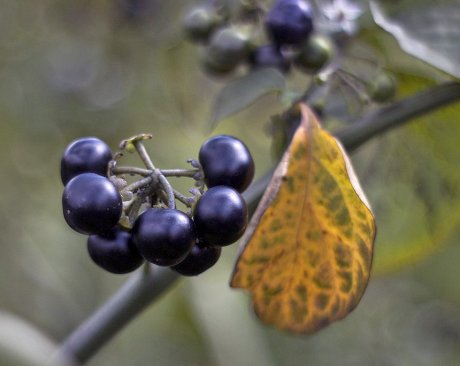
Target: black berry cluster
[130, 223]
[232, 39]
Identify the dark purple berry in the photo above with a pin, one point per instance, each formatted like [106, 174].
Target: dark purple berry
[91, 204]
[114, 251]
[85, 155]
[269, 56]
[200, 259]
[164, 236]
[226, 161]
[289, 22]
[220, 216]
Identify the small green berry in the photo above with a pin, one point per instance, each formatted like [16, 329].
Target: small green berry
[213, 67]
[227, 48]
[382, 88]
[314, 54]
[199, 24]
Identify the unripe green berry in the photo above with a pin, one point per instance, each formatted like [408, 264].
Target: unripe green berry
[214, 67]
[227, 48]
[382, 88]
[199, 23]
[314, 53]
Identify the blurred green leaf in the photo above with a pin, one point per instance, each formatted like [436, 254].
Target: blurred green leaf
[412, 181]
[424, 28]
[409, 174]
[242, 92]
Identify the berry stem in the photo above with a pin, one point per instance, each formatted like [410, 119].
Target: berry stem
[140, 148]
[128, 204]
[187, 201]
[355, 84]
[133, 209]
[179, 172]
[347, 74]
[168, 189]
[140, 183]
[131, 170]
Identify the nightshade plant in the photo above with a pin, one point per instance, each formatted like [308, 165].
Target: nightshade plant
[345, 75]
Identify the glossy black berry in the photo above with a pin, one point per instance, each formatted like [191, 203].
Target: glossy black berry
[114, 251]
[200, 259]
[220, 216]
[269, 56]
[226, 161]
[85, 155]
[164, 236]
[228, 47]
[289, 22]
[91, 204]
[199, 23]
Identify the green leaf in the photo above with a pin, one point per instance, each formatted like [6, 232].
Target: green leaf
[411, 177]
[244, 91]
[410, 174]
[426, 29]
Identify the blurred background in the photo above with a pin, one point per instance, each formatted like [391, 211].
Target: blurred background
[116, 68]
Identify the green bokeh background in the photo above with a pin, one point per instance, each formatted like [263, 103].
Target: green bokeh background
[71, 69]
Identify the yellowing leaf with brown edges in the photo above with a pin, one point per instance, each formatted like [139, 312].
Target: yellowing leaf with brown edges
[307, 253]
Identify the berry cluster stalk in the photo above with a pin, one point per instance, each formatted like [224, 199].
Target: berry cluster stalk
[144, 287]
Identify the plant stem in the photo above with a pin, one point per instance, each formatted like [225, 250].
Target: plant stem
[133, 209]
[144, 155]
[182, 198]
[139, 184]
[397, 114]
[131, 170]
[145, 287]
[134, 296]
[167, 188]
[180, 172]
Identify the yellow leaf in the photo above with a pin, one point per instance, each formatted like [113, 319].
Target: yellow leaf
[307, 253]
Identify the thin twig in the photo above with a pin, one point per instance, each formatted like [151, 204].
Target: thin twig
[358, 90]
[134, 208]
[134, 296]
[179, 172]
[131, 170]
[139, 184]
[168, 189]
[143, 154]
[398, 113]
[182, 198]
